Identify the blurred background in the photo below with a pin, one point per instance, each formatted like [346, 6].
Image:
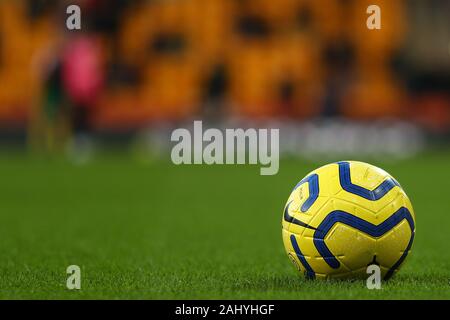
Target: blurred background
[310, 67]
[109, 95]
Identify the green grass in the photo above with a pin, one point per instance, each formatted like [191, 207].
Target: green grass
[189, 232]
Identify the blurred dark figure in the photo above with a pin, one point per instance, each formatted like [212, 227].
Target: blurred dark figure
[338, 59]
[55, 112]
[216, 87]
[103, 16]
[38, 8]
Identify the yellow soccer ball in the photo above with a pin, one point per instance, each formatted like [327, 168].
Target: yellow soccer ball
[345, 216]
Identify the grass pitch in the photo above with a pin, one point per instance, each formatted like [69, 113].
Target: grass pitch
[157, 231]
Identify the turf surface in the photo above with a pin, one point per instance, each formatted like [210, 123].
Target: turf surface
[162, 231]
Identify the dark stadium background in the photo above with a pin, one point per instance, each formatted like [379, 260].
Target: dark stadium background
[86, 116]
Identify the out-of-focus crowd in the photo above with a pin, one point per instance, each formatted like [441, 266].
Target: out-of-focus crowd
[136, 62]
